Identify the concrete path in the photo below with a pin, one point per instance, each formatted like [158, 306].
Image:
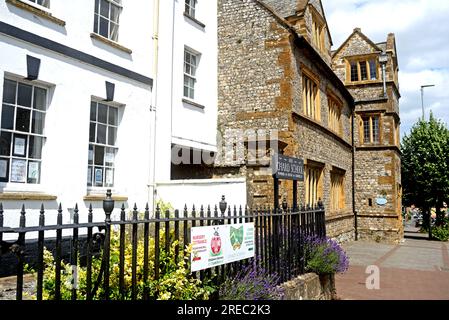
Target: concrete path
[413, 270]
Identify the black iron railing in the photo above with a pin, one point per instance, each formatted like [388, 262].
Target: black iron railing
[279, 246]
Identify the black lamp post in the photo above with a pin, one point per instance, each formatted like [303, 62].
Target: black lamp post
[108, 206]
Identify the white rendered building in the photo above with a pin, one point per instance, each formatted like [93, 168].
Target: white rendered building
[76, 87]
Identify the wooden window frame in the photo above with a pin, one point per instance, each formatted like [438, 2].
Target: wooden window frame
[318, 29]
[190, 8]
[98, 17]
[26, 136]
[371, 129]
[358, 60]
[106, 166]
[337, 190]
[313, 182]
[309, 79]
[190, 77]
[335, 110]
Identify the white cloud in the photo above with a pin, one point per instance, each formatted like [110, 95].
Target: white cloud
[421, 28]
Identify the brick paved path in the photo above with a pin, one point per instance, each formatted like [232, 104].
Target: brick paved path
[413, 270]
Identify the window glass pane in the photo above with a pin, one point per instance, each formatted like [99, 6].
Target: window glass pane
[34, 169]
[96, 20]
[98, 176]
[7, 117]
[89, 176]
[5, 144]
[186, 92]
[112, 136]
[376, 129]
[24, 95]
[104, 27]
[38, 122]
[354, 72]
[104, 8]
[91, 154]
[4, 170]
[23, 120]
[115, 13]
[19, 145]
[9, 91]
[114, 32]
[40, 99]
[97, 3]
[99, 155]
[35, 150]
[363, 71]
[373, 69]
[101, 134]
[109, 157]
[92, 132]
[366, 130]
[109, 178]
[93, 111]
[102, 113]
[45, 3]
[18, 171]
[113, 116]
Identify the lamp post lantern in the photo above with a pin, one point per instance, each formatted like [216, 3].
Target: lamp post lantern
[422, 99]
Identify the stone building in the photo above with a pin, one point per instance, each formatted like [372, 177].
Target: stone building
[370, 72]
[275, 74]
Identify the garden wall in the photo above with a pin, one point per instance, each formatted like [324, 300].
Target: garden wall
[310, 287]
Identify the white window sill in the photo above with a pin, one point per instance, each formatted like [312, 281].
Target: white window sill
[38, 10]
[193, 103]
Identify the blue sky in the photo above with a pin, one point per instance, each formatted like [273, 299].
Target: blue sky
[422, 37]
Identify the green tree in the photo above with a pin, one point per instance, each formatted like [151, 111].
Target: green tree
[425, 167]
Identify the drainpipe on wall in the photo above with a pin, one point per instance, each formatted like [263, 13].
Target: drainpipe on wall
[383, 59]
[152, 176]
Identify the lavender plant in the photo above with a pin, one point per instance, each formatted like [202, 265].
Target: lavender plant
[325, 256]
[253, 282]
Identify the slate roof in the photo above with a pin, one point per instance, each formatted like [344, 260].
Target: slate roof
[286, 8]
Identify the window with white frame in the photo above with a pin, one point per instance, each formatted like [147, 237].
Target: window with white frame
[190, 7]
[44, 3]
[106, 21]
[190, 67]
[102, 145]
[22, 132]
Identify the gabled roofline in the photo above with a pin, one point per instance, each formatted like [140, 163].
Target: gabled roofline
[303, 43]
[301, 11]
[360, 33]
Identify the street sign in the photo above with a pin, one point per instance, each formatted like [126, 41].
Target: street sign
[287, 168]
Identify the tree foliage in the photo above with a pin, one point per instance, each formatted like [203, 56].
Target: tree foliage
[425, 165]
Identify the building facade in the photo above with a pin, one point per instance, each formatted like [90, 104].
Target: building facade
[186, 86]
[275, 74]
[370, 72]
[76, 90]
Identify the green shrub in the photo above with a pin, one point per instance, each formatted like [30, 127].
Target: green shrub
[174, 283]
[441, 233]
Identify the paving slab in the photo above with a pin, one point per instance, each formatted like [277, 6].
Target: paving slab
[412, 270]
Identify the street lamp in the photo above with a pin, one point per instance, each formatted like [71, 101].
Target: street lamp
[422, 99]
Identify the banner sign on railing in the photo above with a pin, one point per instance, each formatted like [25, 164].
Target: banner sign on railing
[218, 245]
